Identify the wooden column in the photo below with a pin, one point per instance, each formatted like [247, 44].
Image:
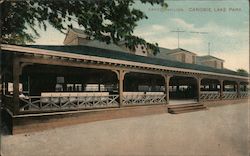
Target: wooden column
[16, 74]
[1, 84]
[198, 88]
[99, 85]
[167, 79]
[221, 89]
[238, 89]
[121, 75]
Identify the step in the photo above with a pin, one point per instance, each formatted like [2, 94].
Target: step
[184, 105]
[187, 111]
[176, 109]
[186, 108]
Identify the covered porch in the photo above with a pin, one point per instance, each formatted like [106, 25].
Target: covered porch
[47, 82]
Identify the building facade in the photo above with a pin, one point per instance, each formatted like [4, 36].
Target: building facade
[42, 80]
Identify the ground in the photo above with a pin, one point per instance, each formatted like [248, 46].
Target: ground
[218, 131]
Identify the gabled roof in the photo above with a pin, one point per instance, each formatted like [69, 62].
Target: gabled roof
[172, 51]
[78, 33]
[105, 53]
[207, 57]
[182, 50]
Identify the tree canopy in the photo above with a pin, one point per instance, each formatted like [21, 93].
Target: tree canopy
[242, 71]
[110, 21]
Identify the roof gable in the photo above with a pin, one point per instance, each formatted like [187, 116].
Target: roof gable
[208, 57]
[174, 51]
[180, 50]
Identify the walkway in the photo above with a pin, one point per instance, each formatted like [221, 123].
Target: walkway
[219, 131]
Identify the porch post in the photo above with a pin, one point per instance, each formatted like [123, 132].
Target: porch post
[221, 89]
[238, 89]
[121, 78]
[167, 79]
[1, 83]
[99, 85]
[198, 88]
[16, 73]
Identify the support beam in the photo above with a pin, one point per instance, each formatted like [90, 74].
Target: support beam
[198, 88]
[238, 89]
[99, 85]
[120, 76]
[221, 89]
[167, 79]
[16, 74]
[1, 87]
[121, 81]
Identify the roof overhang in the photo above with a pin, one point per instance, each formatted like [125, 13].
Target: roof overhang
[21, 49]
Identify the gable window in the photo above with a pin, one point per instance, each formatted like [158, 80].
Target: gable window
[193, 59]
[215, 64]
[183, 58]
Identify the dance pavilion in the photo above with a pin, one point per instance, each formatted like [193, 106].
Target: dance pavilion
[40, 80]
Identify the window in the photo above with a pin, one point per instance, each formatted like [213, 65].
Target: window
[59, 87]
[143, 88]
[11, 88]
[193, 59]
[78, 87]
[183, 58]
[91, 87]
[215, 64]
[172, 88]
[70, 87]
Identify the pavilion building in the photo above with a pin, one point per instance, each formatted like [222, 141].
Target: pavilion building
[87, 76]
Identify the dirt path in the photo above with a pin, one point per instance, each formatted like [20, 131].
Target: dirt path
[219, 131]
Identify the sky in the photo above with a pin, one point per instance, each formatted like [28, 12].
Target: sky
[223, 23]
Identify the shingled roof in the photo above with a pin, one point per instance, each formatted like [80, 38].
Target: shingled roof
[207, 57]
[105, 53]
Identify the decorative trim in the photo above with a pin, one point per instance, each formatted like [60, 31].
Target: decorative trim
[101, 59]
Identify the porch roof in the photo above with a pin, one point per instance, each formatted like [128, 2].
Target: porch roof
[93, 51]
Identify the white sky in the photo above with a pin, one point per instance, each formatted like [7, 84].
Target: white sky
[226, 21]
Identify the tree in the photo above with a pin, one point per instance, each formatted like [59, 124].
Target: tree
[104, 20]
[242, 71]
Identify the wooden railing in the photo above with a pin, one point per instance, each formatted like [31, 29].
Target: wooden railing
[243, 94]
[57, 103]
[49, 102]
[209, 95]
[229, 95]
[141, 98]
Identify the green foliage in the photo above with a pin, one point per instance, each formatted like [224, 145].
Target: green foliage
[242, 71]
[104, 20]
